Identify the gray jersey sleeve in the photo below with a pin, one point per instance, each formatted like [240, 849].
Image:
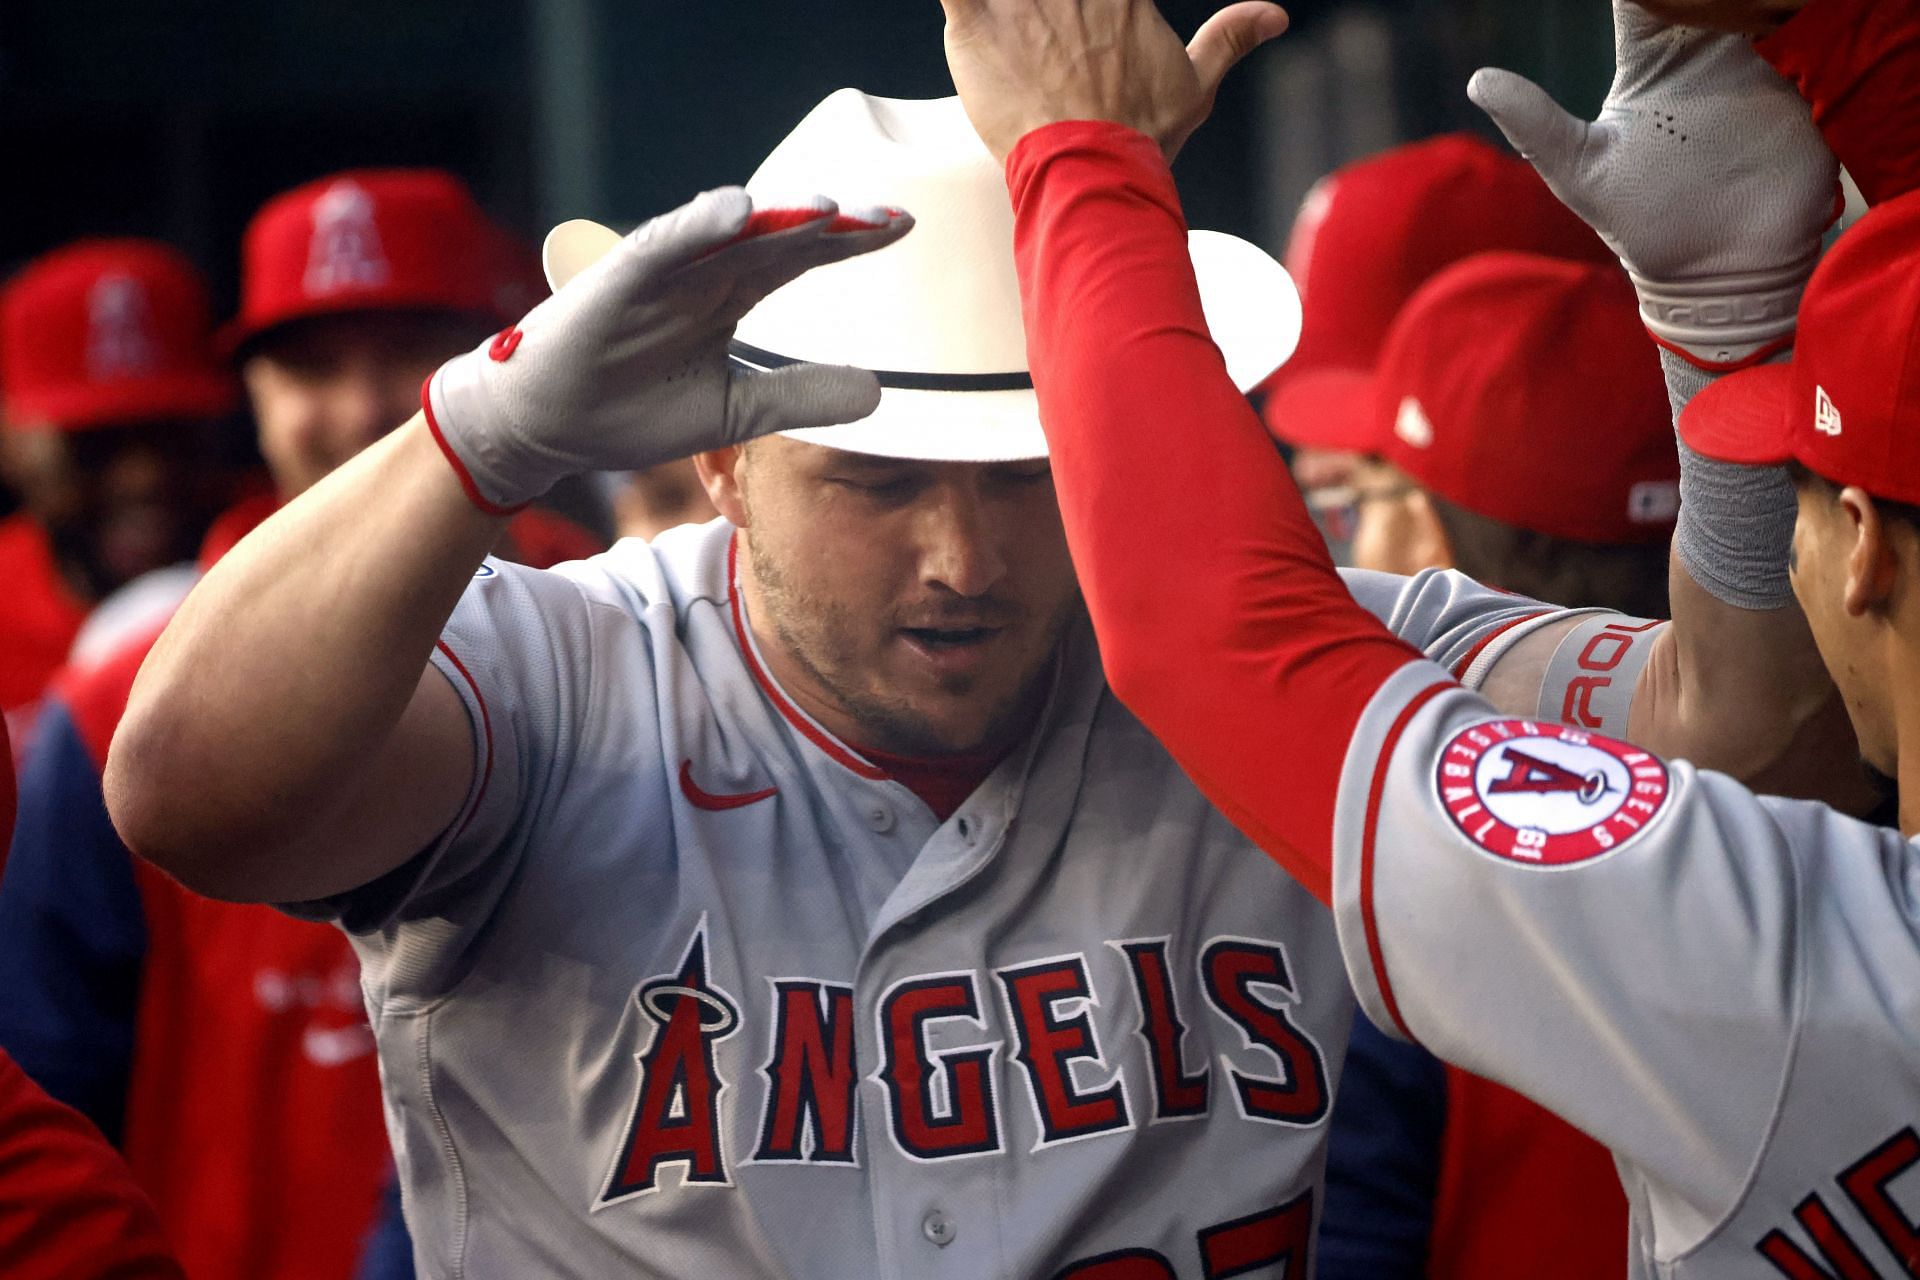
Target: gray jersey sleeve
[1623, 939]
[520, 650]
[1457, 622]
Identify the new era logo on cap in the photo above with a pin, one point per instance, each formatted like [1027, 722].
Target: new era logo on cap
[1826, 417]
[1412, 424]
[120, 340]
[346, 251]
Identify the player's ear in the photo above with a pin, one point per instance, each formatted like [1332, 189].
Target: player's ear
[1873, 565]
[1427, 534]
[720, 475]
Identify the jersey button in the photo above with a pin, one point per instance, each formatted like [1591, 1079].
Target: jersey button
[880, 818]
[938, 1227]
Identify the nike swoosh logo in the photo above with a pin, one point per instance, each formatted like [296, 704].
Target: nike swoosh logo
[718, 803]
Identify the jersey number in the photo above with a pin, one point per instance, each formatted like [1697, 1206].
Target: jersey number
[1274, 1238]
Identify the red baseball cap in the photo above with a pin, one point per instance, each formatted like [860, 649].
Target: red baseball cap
[373, 240]
[1525, 389]
[107, 333]
[1848, 405]
[1371, 234]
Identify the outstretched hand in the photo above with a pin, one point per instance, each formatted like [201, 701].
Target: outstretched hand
[1021, 64]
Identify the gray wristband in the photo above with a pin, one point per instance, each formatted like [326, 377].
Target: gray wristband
[1736, 522]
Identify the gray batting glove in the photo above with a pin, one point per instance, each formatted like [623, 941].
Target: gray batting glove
[1704, 173]
[626, 365]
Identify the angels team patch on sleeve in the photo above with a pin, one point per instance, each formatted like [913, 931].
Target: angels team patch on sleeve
[1544, 795]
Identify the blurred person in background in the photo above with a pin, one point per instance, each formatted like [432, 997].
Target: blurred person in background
[67, 1204]
[1366, 237]
[224, 1047]
[111, 397]
[1518, 430]
[649, 502]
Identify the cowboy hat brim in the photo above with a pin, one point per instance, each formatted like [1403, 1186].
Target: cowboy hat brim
[1252, 311]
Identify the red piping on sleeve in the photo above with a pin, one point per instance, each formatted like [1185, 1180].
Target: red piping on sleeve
[1465, 664]
[486, 733]
[472, 490]
[1376, 796]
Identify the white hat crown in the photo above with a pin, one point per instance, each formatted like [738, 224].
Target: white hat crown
[937, 314]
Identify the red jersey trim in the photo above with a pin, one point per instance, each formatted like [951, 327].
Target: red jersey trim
[472, 490]
[718, 802]
[1376, 795]
[1465, 664]
[818, 737]
[486, 733]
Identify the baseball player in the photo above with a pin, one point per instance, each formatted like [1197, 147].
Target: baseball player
[1519, 431]
[211, 1040]
[1372, 232]
[788, 896]
[111, 393]
[1718, 985]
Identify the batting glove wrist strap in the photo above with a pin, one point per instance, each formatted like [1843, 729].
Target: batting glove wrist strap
[626, 367]
[1727, 323]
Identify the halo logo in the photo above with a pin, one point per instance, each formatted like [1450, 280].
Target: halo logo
[345, 252]
[120, 341]
[1547, 796]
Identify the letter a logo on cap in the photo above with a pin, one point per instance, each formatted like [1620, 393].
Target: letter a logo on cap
[120, 341]
[346, 252]
[1826, 418]
[1412, 424]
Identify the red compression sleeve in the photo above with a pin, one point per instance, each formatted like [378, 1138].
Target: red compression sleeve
[1221, 620]
[1857, 62]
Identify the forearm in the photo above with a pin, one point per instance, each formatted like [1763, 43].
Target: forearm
[1186, 530]
[265, 705]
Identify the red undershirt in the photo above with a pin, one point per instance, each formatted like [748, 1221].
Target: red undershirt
[943, 785]
[1857, 62]
[1222, 622]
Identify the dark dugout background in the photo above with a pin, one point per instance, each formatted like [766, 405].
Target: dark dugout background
[176, 118]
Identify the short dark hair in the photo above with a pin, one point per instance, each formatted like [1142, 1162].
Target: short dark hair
[1628, 577]
[1804, 478]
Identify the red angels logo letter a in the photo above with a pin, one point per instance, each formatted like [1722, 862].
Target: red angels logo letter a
[676, 1117]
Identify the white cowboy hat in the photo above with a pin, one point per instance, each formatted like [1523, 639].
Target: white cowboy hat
[937, 315]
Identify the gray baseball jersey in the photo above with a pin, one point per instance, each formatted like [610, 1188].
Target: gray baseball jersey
[1722, 988]
[692, 989]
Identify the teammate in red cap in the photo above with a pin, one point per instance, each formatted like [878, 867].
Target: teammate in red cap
[1367, 236]
[1518, 431]
[1515, 392]
[225, 1047]
[109, 391]
[1718, 985]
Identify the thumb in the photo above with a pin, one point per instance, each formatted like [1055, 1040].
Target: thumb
[798, 396]
[1532, 121]
[1229, 36]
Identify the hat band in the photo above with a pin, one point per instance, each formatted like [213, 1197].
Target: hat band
[751, 357]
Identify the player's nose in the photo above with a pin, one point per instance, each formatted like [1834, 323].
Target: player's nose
[959, 547]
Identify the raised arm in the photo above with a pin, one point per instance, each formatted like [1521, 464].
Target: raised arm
[287, 738]
[1704, 172]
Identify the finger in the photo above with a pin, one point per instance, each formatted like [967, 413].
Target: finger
[798, 396]
[754, 267]
[1532, 121]
[1230, 35]
[683, 235]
